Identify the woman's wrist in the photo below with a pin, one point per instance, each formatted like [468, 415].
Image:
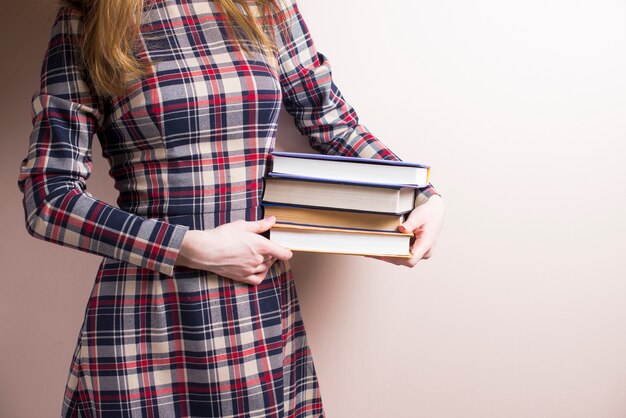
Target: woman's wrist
[186, 253]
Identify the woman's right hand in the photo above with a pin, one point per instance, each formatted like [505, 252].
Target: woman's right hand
[234, 250]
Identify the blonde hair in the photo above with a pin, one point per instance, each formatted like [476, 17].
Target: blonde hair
[112, 27]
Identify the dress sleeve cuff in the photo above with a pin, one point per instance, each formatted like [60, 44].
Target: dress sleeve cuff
[424, 194]
[171, 248]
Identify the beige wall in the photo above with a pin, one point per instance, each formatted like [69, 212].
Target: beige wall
[521, 109]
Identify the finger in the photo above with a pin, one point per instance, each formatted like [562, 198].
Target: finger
[261, 269]
[269, 258]
[264, 266]
[254, 279]
[407, 227]
[277, 251]
[420, 249]
[428, 254]
[410, 225]
[260, 226]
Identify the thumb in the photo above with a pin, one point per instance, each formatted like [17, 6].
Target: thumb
[408, 226]
[411, 224]
[262, 225]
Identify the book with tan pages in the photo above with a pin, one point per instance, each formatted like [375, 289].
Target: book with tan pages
[288, 214]
[342, 241]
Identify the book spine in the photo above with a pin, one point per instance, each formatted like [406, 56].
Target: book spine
[289, 205]
[334, 227]
[396, 186]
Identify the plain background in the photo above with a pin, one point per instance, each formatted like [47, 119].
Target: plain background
[520, 107]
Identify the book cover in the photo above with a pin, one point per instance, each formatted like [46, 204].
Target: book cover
[273, 174]
[350, 169]
[341, 241]
[347, 159]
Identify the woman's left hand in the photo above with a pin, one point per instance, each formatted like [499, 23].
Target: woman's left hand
[425, 221]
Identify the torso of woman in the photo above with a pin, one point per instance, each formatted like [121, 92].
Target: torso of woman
[193, 139]
[188, 147]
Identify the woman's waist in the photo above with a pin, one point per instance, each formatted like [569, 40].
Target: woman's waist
[168, 204]
[203, 217]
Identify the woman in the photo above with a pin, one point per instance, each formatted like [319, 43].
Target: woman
[193, 312]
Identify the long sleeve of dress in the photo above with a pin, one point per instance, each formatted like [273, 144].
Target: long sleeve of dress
[52, 177]
[315, 102]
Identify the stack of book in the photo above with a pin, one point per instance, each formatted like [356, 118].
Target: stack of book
[341, 205]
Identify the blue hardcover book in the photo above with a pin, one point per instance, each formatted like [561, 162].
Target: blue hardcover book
[350, 169]
[365, 197]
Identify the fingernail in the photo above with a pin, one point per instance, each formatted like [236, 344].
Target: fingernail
[271, 219]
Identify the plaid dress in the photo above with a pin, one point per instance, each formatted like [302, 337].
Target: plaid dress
[187, 147]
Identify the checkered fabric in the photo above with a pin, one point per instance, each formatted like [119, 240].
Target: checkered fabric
[188, 147]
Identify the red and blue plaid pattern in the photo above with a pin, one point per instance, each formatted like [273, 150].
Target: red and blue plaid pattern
[188, 147]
